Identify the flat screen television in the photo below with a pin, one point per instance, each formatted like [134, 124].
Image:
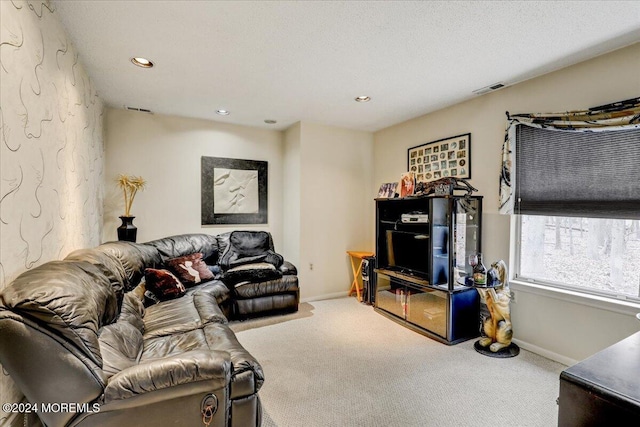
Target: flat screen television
[408, 252]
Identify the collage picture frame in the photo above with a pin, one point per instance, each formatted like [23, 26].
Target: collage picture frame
[447, 157]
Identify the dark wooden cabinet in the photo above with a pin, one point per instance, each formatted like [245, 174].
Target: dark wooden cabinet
[422, 250]
[604, 389]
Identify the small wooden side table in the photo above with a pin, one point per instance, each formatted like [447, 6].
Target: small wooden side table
[357, 270]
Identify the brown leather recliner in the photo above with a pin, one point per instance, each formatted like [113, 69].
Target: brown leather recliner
[78, 342]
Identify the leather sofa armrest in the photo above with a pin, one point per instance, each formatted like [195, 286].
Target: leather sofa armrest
[158, 374]
[288, 269]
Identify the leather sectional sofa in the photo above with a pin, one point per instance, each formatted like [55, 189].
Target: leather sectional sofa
[88, 344]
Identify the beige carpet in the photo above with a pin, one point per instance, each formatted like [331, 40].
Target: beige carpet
[339, 363]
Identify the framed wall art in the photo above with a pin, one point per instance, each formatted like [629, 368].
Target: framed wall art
[233, 191]
[448, 157]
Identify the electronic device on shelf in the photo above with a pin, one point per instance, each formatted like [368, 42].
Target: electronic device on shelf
[417, 217]
[408, 252]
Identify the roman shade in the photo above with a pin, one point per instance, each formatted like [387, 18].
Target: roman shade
[581, 163]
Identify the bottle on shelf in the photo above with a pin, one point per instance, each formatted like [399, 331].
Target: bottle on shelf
[480, 272]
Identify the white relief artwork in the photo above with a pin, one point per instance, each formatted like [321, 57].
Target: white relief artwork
[235, 191]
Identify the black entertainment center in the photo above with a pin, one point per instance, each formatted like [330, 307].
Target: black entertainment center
[422, 250]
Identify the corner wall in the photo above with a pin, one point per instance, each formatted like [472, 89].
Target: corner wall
[166, 151]
[51, 148]
[320, 187]
[337, 206]
[291, 195]
[560, 329]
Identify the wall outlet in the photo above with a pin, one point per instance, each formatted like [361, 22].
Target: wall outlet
[513, 297]
[310, 266]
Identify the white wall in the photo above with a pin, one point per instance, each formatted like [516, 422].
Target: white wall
[291, 195]
[51, 148]
[166, 152]
[337, 206]
[558, 328]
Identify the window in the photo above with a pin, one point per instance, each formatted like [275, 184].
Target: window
[593, 255]
[592, 174]
[574, 181]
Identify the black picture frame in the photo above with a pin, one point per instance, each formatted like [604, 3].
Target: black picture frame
[208, 215]
[438, 158]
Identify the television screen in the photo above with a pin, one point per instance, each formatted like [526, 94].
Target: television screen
[408, 252]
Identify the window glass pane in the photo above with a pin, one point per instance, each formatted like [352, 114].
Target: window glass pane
[595, 254]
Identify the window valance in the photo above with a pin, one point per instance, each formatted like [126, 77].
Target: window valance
[579, 163]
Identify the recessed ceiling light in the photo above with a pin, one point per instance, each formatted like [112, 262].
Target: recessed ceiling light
[363, 98]
[270, 122]
[222, 112]
[142, 62]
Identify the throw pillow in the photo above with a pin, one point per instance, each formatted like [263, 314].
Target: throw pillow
[254, 273]
[191, 269]
[163, 284]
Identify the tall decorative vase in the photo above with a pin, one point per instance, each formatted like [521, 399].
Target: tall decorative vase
[127, 231]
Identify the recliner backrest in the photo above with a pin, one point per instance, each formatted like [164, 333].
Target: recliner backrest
[248, 247]
[121, 342]
[110, 266]
[186, 244]
[50, 319]
[133, 258]
[69, 298]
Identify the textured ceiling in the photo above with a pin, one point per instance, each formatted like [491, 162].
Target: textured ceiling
[304, 60]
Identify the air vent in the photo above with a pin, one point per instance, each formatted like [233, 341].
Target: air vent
[141, 110]
[489, 88]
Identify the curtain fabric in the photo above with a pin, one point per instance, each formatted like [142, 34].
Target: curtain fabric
[624, 115]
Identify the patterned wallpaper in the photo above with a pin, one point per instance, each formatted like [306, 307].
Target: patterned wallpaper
[51, 147]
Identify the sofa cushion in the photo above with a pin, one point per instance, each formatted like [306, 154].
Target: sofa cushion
[259, 306]
[172, 344]
[247, 247]
[246, 373]
[133, 311]
[286, 284]
[257, 272]
[190, 269]
[120, 346]
[163, 284]
[288, 269]
[190, 367]
[184, 244]
[134, 259]
[73, 299]
[108, 264]
[223, 242]
[247, 376]
[215, 288]
[188, 313]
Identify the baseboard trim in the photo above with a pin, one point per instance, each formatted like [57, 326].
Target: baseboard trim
[326, 296]
[546, 353]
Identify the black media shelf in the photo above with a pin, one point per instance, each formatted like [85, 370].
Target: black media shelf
[417, 274]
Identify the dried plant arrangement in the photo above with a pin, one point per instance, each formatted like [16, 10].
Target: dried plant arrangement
[130, 186]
